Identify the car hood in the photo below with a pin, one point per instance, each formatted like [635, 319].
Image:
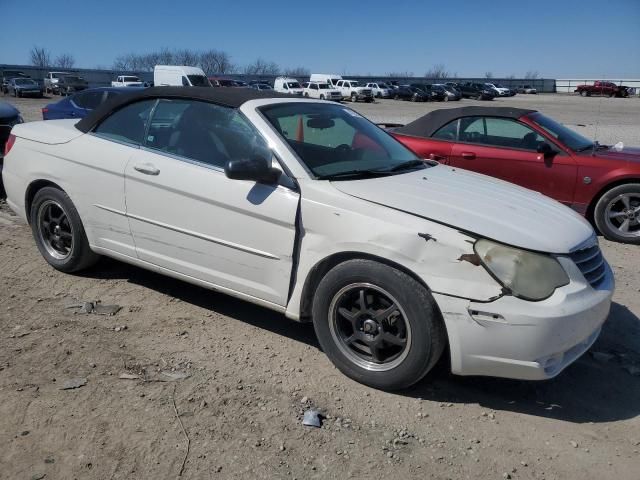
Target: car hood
[478, 204]
[631, 154]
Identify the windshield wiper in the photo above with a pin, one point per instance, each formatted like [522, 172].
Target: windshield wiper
[411, 164]
[354, 173]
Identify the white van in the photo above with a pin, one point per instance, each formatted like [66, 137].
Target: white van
[329, 78]
[287, 85]
[179, 76]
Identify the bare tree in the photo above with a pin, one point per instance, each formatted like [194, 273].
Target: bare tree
[211, 61]
[531, 75]
[437, 72]
[488, 75]
[186, 57]
[65, 60]
[262, 67]
[399, 74]
[297, 72]
[40, 57]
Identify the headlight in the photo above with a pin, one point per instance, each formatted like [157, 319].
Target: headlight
[528, 275]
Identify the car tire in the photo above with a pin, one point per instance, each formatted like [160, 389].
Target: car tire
[321, 96]
[396, 97]
[306, 94]
[415, 330]
[354, 98]
[58, 231]
[446, 98]
[616, 206]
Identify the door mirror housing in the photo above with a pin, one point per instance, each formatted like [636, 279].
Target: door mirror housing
[545, 149]
[257, 169]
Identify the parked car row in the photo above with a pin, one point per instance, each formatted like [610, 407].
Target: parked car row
[309, 209]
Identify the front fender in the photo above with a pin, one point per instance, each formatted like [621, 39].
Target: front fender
[440, 256]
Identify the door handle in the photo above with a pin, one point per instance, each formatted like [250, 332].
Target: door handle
[436, 157]
[146, 168]
[468, 155]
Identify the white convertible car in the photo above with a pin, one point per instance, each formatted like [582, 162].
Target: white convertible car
[307, 208]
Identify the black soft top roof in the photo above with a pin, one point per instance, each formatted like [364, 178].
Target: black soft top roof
[230, 97]
[430, 123]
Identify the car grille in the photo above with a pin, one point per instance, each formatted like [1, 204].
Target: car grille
[591, 263]
[366, 92]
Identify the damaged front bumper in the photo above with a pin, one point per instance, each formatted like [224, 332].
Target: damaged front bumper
[520, 339]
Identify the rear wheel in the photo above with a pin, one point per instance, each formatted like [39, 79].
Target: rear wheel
[617, 213]
[377, 324]
[58, 231]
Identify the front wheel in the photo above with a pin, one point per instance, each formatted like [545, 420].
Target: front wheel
[617, 213]
[58, 231]
[377, 324]
[354, 97]
[322, 96]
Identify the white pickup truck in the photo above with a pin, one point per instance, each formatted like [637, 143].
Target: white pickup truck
[127, 81]
[51, 81]
[350, 89]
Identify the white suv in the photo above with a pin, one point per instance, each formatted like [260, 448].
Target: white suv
[320, 90]
[380, 90]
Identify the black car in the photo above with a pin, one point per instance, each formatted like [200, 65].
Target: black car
[406, 92]
[9, 116]
[25, 87]
[6, 75]
[434, 93]
[68, 84]
[479, 91]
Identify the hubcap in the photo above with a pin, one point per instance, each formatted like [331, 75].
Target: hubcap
[623, 214]
[369, 327]
[54, 230]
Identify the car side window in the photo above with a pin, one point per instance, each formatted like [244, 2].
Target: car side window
[500, 132]
[88, 100]
[207, 133]
[448, 132]
[127, 124]
[185, 81]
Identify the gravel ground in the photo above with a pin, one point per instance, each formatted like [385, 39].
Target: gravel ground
[182, 374]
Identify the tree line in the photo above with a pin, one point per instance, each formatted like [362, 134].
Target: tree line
[213, 61]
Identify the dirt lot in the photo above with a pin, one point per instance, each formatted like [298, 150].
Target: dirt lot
[223, 383]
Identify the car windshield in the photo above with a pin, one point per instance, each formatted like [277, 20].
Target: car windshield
[293, 84]
[199, 80]
[354, 84]
[70, 78]
[564, 135]
[334, 142]
[323, 86]
[24, 81]
[130, 79]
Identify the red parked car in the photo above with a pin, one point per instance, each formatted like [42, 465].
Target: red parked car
[527, 148]
[601, 87]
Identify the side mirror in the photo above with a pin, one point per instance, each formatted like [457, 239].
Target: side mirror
[545, 149]
[258, 169]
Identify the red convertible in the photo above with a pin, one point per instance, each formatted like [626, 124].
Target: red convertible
[527, 148]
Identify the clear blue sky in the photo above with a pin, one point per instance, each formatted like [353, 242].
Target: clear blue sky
[560, 38]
